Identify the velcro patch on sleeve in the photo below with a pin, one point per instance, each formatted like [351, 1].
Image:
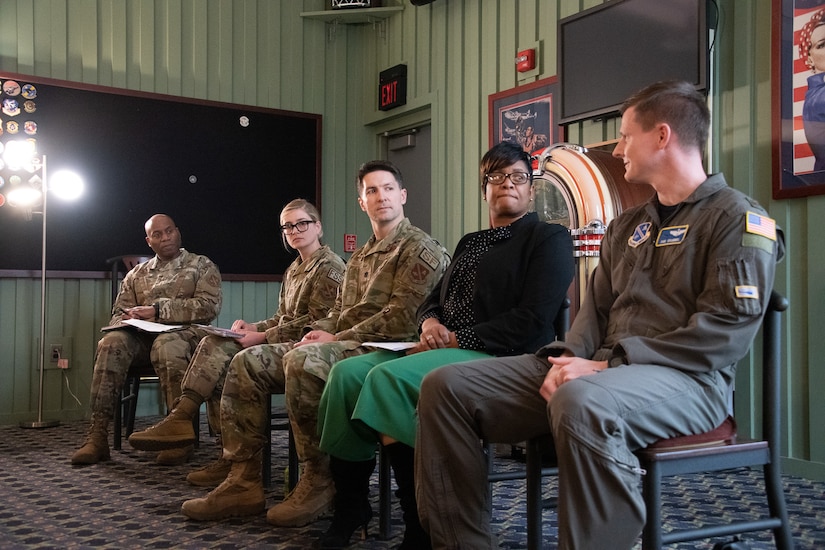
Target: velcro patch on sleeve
[429, 258]
[747, 291]
[758, 241]
[336, 276]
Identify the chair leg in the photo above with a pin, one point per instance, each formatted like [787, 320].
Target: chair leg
[125, 410]
[384, 495]
[266, 460]
[776, 504]
[489, 458]
[266, 455]
[534, 503]
[132, 406]
[652, 493]
[118, 420]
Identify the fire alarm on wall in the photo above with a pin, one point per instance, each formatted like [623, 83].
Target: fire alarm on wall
[350, 242]
[526, 60]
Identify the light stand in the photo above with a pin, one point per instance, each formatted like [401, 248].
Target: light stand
[40, 423]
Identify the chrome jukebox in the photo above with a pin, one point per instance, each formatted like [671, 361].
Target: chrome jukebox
[583, 189]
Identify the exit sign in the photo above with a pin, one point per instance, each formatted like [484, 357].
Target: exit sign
[392, 88]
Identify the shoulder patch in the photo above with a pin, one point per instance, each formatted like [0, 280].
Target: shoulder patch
[420, 274]
[429, 259]
[329, 291]
[747, 291]
[640, 234]
[760, 225]
[336, 276]
[758, 241]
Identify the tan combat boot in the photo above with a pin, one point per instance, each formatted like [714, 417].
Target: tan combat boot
[96, 447]
[174, 431]
[240, 494]
[313, 496]
[175, 457]
[211, 475]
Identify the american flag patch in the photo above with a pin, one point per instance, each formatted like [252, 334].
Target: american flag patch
[760, 225]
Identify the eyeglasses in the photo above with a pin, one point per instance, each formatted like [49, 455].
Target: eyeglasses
[301, 226]
[497, 178]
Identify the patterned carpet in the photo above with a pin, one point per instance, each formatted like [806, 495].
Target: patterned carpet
[131, 502]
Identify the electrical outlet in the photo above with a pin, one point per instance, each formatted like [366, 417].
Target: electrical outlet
[55, 352]
[56, 348]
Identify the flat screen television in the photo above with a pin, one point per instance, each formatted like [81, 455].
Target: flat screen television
[610, 51]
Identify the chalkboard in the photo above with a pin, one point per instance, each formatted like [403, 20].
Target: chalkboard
[222, 171]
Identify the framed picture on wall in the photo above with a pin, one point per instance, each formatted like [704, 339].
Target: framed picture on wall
[526, 115]
[798, 92]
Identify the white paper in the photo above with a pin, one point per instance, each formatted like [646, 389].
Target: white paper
[149, 326]
[392, 346]
[145, 326]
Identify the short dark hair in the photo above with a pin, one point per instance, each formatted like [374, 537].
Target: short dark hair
[376, 166]
[502, 155]
[676, 103]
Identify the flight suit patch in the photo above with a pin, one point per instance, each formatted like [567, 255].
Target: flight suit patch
[672, 235]
[747, 291]
[640, 234]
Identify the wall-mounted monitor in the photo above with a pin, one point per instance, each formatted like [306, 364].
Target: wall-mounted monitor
[614, 49]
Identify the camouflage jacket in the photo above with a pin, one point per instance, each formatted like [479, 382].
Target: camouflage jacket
[308, 292]
[384, 283]
[187, 289]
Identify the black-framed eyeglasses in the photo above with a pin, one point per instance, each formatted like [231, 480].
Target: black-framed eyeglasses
[497, 178]
[301, 226]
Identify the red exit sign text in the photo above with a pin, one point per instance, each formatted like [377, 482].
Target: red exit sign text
[392, 87]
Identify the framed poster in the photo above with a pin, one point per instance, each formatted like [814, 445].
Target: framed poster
[526, 115]
[798, 92]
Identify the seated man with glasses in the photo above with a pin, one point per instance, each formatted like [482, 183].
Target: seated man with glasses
[308, 291]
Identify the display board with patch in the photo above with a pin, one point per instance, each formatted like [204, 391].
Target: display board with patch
[222, 171]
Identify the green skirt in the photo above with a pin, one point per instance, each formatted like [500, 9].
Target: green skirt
[377, 393]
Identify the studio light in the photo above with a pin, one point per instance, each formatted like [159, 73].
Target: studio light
[34, 189]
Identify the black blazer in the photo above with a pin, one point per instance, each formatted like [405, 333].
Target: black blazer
[520, 284]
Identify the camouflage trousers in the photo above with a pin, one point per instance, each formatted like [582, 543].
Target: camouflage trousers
[257, 372]
[207, 372]
[117, 350]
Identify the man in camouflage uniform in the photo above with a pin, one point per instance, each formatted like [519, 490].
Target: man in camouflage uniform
[174, 287]
[384, 283]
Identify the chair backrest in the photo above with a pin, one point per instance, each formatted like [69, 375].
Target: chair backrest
[771, 372]
[129, 261]
[561, 324]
